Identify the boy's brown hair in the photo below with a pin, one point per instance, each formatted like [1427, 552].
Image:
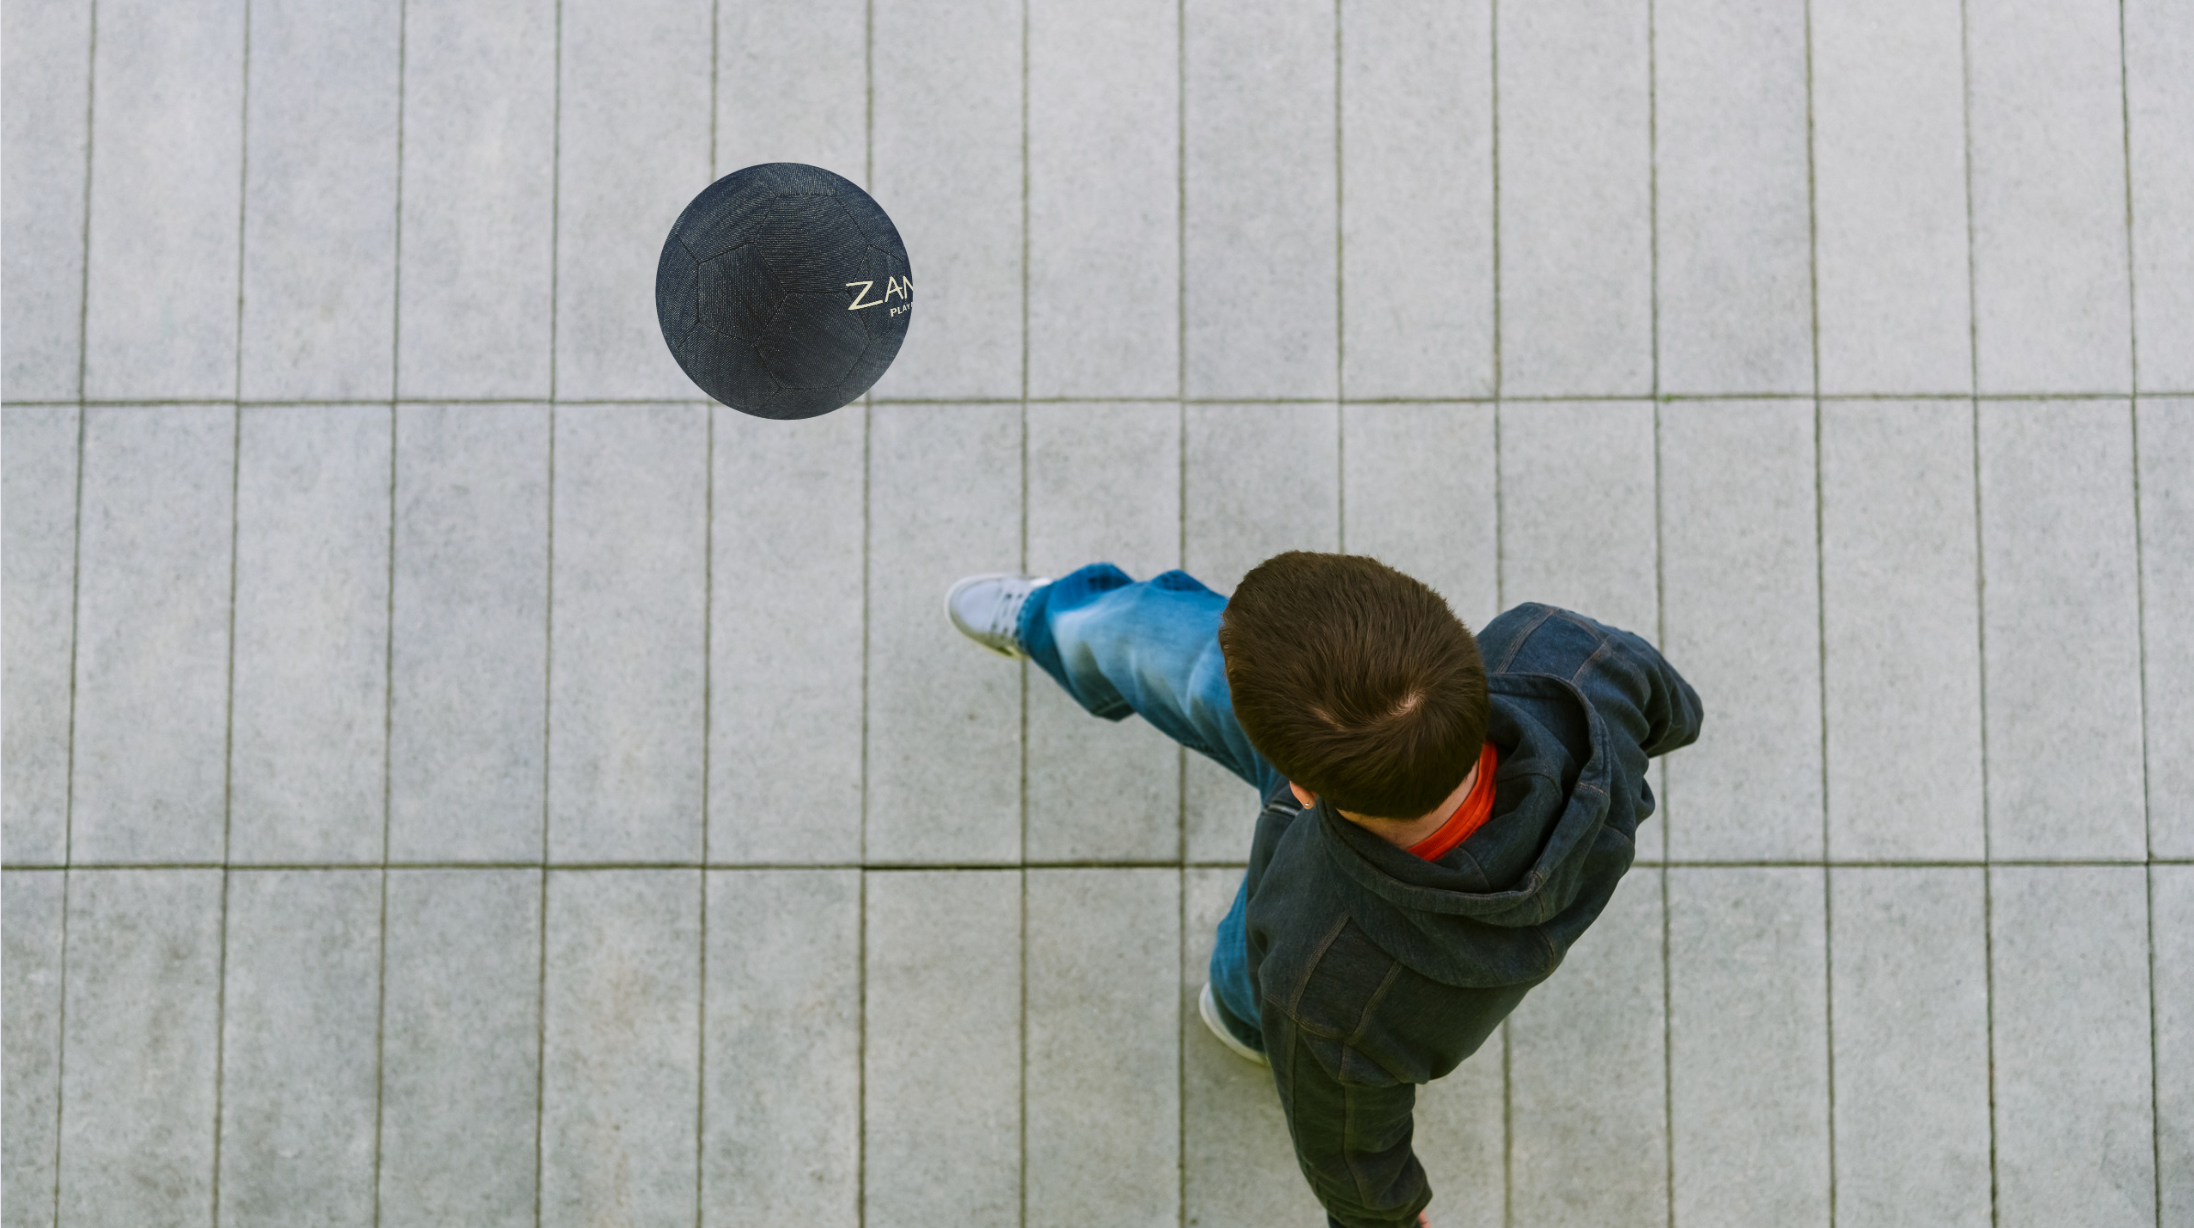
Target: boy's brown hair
[1356, 681]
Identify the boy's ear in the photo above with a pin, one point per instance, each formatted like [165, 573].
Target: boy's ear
[1303, 795]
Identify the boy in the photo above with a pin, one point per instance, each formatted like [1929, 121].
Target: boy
[1435, 833]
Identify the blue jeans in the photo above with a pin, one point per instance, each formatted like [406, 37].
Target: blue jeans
[1152, 648]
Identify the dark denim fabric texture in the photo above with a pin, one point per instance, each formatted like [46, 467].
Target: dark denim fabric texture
[1373, 970]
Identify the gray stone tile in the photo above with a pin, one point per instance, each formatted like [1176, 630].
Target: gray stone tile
[300, 1034]
[1104, 1093]
[1731, 172]
[309, 748]
[1889, 196]
[1461, 1139]
[320, 202]
[1587, 1075]
[166, 179]
[942, 1056]
[1901, 616]
[37, 595]
[1909, 1003]
[1104, 243]
[1237, 1164]
[1575, 198]
[628, 624]
[2061, 630]
[2159, 86]
[469, 646]
[620, 1046]
[786, 622]
[141, 1037]
[152, 641]
[1740, 538]
[792, 85]
[2049, 250]
[1417, 200]
[781, 1094]
[1257, 480]
[2171, 933]
[1258, 187]
[1748, 1046]
[1104, 486]
[2166, 436]
[630, 154]
[30, 976]
[460, 1049]
[944, 717]
[479, 194]
[47, 57]
[2074, 1114]
[1418, 492]
[945, 163]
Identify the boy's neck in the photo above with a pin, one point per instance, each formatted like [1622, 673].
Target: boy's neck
[1402, 833]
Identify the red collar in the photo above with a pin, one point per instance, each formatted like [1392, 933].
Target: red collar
[1469, 816]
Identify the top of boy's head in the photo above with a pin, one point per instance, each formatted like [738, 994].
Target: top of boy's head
[1356, 681]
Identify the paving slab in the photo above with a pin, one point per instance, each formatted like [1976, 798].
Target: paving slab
[300, 1047]
[461, 1048]
[1103, 1092]
[38, 449]
[1420, 492]
[785, 628]
[141, 1039]
[468, 641]
[1574, 198]
[1416, 237]
[621, 1047]
[1257, 480]
[947, 134]
[943, 1049]
[47, 64]
[1900, 612]
[1740, 541]
[2050, 302]
[1888, 100]
[781, 1074]
[1909, 1009]
[1586, 1074]
[1258, 192]
[1732, 209]
[1104, 199]
[2171, 965]
[944, 757]
[478, 200]
[632, 84]
[2166, 459]
[2158, 48]
[1748, 1046]
[2060, 626]
[320, 176]
[1104, 482]
[792, 86]
[153, 635]
[2071, 1017]
[167, 148]
[30, 1041]
[309, 743]
[1462, 1140]
[628, 628]
[1237, 1164]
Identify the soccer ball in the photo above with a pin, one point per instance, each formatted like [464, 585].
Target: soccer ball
[783, 290]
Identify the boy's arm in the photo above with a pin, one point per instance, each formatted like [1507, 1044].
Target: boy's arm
[1352, 1139]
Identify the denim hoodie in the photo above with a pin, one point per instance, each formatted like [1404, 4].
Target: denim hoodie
[1376, 970]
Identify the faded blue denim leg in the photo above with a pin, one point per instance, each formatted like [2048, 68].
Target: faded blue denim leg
[1152, 648]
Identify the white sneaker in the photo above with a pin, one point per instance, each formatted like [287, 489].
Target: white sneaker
[1208, 1007]
[987, 608]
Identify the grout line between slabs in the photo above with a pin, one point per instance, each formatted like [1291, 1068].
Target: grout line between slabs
[1660, 598]
[1021, 666]
[1180, 507]
[894, 867]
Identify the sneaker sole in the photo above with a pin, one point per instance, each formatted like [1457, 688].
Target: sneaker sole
[1209, 1009]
